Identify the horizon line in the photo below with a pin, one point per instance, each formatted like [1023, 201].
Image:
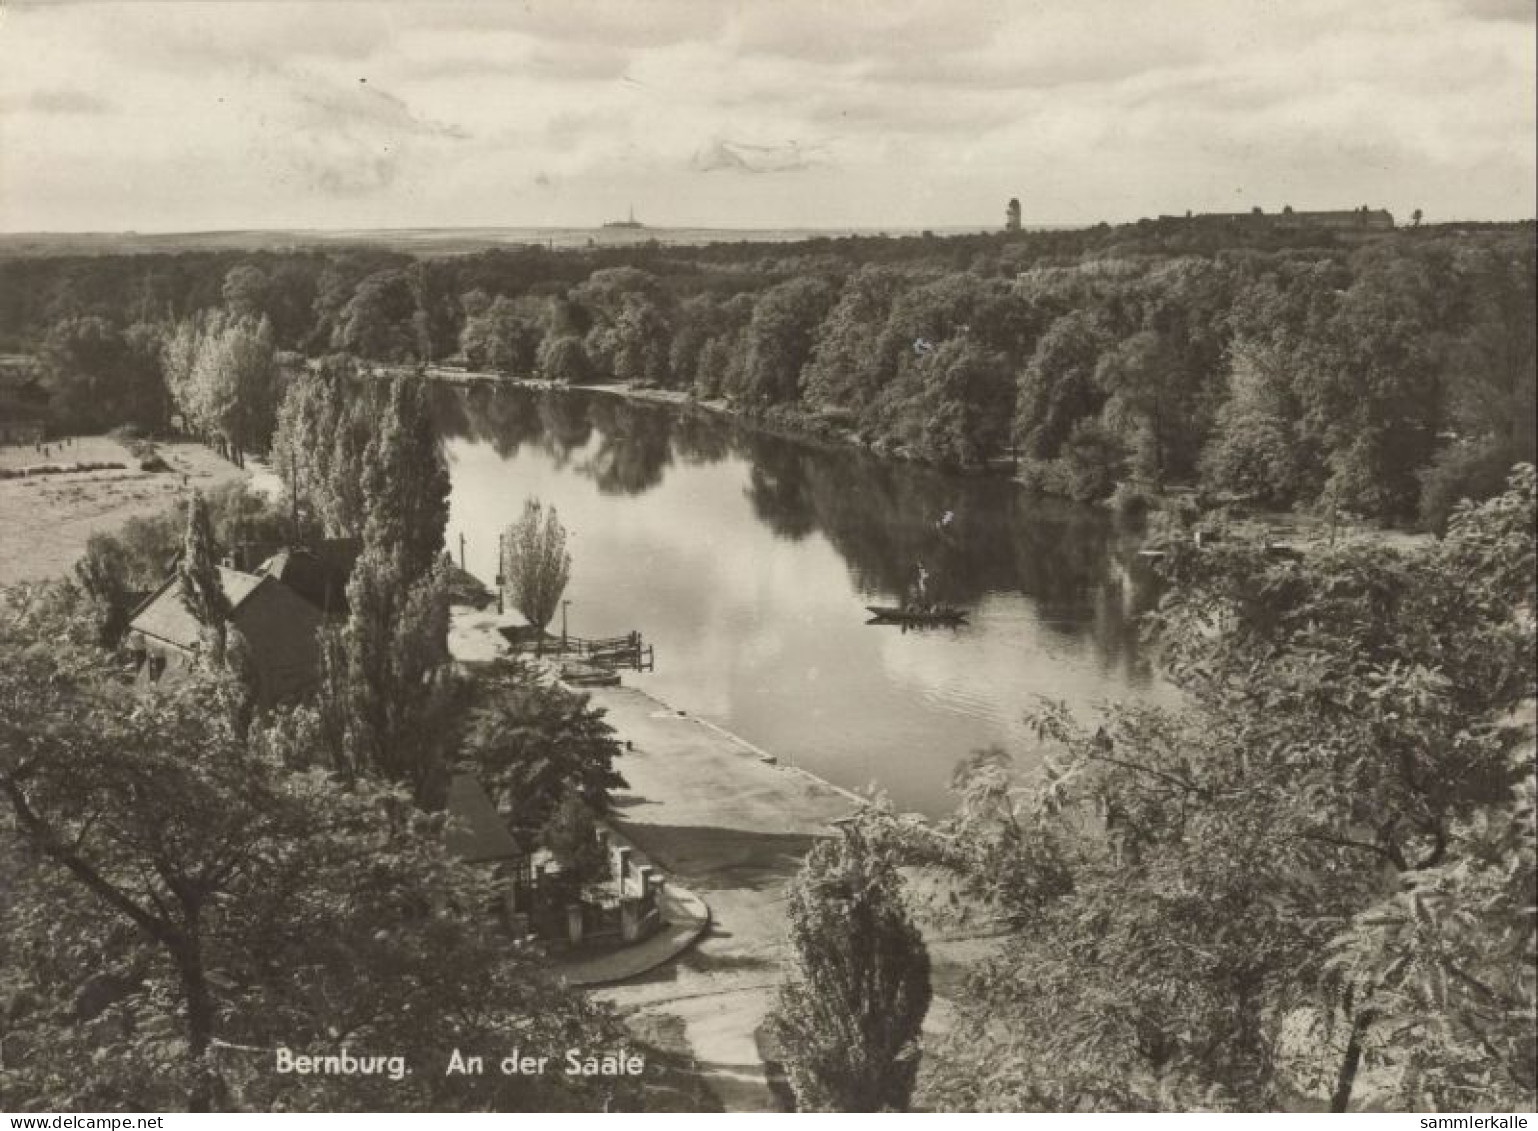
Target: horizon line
[949, 229]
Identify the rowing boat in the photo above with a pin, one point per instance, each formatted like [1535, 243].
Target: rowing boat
[894, 614]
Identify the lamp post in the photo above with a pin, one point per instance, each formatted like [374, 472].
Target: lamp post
[563, 626]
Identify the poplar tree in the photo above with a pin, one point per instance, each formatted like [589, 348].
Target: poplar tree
[406, 484]
[535, 564]
[853, 1003]
[197, 578]
[318, 446]
[387, 682]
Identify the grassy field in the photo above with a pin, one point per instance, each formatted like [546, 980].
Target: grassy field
[45, 520]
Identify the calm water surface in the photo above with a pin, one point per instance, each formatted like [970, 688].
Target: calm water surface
[748, 560]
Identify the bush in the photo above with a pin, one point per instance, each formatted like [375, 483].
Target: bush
[132, 437]
[1464, 471]
[1093, 461]
[571, 835]
[1132, 501]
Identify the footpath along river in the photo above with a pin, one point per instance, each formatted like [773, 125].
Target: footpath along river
[747, 561]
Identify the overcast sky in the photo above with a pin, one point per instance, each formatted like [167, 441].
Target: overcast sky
[815, 113]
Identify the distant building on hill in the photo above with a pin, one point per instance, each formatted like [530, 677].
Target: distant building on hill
[1012, 215]
[1356, 220]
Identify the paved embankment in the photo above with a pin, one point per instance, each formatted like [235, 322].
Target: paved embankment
[726, 824]
[734, 829]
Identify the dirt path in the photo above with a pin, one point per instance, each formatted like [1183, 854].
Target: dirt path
[733, 828]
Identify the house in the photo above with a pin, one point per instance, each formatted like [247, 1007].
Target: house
[319, 573]
[278, 626]
[477, 835]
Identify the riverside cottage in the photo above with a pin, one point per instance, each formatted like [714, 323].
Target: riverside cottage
[279, 627]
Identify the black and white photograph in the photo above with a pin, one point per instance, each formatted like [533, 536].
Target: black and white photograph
[768, 556]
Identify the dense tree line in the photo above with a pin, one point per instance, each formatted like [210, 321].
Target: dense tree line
[1271, 367]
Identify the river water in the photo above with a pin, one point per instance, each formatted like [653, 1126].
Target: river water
[747, 561]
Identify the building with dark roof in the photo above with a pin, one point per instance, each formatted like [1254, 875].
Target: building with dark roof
[319, 573]
[279, 627]
[1359, 221]
[477, 834]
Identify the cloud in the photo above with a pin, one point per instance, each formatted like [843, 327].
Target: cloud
[348, 140]
[1514, 11]
[589, 23]
[916, 112]
[362, 107]
[816, 31]
[66, 101]
[723, 155]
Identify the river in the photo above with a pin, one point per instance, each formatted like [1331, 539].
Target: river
[747, 561]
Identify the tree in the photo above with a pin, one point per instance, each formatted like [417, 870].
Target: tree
[1255, 450]
[847, 368]
[99, 376]
[378, 321]
[319, 442]
[1296, 849]
[502, 335]
[960, 414]
[102, 573]
[857, 988]
[222, 372]
[406, 483]
[198, 579]
[564, 359]
[388, 687]
[779, 339]
[535, 564]
[532, 744]
[1058, 387]
[185, 896]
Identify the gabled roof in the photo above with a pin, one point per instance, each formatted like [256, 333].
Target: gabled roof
[477, 834]
[278, 625]
[166, 617]
[317, 573]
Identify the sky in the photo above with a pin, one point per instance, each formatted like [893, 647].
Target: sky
[189, 116]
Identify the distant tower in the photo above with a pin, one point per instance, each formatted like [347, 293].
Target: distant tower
[1012, 215]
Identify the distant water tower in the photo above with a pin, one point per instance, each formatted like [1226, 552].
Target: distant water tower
[1012, 215]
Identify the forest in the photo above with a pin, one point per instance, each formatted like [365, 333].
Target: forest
[1309, 885]
[1383, 377]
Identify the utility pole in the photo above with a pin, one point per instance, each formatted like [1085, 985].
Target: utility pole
[462, 552]
[293, 499]
[502, 578]
[563, 626]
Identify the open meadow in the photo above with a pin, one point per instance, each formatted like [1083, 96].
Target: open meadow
[45, 520]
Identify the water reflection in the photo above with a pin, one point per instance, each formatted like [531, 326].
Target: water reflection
[747, 558]
[634, 444]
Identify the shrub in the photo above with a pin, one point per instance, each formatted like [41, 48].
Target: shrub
[1464, 471]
